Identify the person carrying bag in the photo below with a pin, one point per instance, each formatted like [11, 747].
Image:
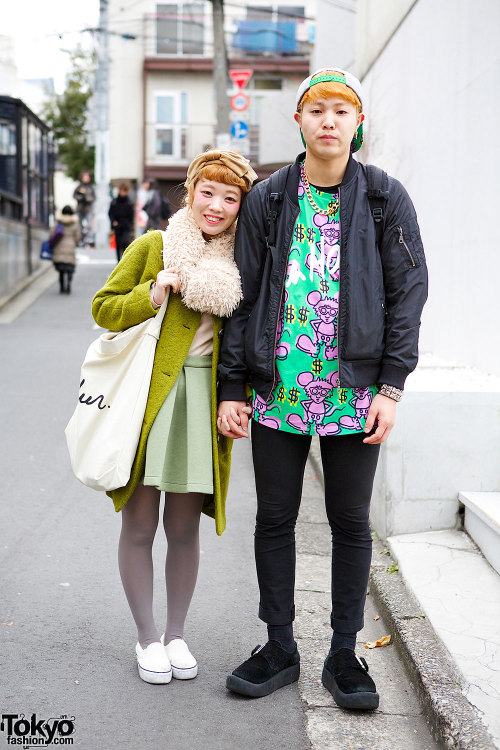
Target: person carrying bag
[176, 448]
[103, 433]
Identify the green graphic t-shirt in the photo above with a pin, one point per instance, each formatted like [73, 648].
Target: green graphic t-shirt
[306, 398]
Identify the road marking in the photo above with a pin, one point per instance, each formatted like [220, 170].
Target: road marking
[86, 260]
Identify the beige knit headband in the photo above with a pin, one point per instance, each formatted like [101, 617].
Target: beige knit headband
[230, 159]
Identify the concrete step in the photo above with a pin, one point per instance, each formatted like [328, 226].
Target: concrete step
[482, 521]
[459, 593]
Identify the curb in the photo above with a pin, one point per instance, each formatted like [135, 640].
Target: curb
[23, 284]
[455, 723]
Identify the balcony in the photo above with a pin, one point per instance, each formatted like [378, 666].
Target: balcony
[255, 37]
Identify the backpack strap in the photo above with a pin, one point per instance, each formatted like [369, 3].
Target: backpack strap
[378, 195]
[277, 182]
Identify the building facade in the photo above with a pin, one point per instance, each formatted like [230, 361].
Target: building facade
[26, 191]
[162, 101]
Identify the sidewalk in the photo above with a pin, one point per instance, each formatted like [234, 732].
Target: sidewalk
[440, 600]
[64, 614]
[399, 721]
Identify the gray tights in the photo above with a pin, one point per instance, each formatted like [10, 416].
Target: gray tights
[181, 519]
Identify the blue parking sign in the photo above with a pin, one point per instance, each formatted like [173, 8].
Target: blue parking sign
[239, 129]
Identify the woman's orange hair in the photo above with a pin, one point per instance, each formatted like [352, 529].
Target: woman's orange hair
[326, 90]
[217, 173]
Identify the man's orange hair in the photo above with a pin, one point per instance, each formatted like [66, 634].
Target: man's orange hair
[327, 90]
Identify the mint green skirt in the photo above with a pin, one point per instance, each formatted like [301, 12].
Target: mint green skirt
[179, 447]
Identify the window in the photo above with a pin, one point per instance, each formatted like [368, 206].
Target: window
[267, 84]
[8, 153]
[170, 117]
[272, 29]
[180, 29]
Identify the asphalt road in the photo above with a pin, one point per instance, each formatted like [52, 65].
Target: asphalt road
[67, 636]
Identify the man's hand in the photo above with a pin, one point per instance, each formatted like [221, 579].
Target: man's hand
[383, 414]
[232, 419]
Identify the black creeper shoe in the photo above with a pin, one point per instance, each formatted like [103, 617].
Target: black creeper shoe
[347, 679]
[270, 667]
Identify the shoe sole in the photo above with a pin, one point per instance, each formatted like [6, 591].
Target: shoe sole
[358, 701]
[154, 678]
[184, 673]
[253, 690]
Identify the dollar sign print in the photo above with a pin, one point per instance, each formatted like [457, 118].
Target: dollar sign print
[281, 394]
[310, 234]
[342, 396]
[323, 285]
[293, 395]
[303, 315]
[317, 366]
[299, 233]
[289, 313]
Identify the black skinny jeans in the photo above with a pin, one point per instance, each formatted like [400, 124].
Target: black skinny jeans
[349, 465]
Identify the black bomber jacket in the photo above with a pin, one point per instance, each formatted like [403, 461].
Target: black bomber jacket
[381, 296]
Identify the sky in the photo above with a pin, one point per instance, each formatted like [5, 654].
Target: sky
[35, 25]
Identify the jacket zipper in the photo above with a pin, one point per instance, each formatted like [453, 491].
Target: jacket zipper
[277, 319]
[402, 242]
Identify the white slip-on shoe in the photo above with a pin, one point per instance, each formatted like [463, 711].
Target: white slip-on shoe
[184, 665]
[153, 664]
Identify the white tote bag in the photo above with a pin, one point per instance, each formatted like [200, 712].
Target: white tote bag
[103, 433]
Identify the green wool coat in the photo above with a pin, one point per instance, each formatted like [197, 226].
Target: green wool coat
[125, 301]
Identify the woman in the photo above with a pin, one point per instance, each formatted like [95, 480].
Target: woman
[178, 451]
[64, 257]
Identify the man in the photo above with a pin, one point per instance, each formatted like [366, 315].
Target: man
[121, 215]
[84, 194]
[326, 334]
[157, 208]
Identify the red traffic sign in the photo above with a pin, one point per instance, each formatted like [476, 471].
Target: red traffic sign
[240, 77]
[239, 102]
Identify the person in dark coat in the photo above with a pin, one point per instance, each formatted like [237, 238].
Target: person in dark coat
[121, 215]
[325, 336]
[157, 208]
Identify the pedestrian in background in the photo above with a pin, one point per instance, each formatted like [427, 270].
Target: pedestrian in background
[121, 215]
[84, 195]
[178, 450]
[156, 208]
[327, 333]
[144, 193]
[64, 255]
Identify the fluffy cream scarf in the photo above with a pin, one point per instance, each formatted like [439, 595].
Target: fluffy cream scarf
[210, 281]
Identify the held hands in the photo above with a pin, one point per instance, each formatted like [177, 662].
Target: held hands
[232, 419]
[167, 277]
[382, 415]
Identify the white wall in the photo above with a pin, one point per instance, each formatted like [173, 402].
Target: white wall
[376, 20]
[335, 35]
[126, 87]
[433, 110]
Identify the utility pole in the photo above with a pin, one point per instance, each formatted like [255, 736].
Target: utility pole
[222, 136]
[102, 131]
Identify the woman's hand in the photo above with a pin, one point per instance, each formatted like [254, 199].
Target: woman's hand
[383, 413]
[167, 277]
[232, 419]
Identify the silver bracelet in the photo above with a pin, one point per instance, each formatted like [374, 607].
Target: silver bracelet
[391, 391]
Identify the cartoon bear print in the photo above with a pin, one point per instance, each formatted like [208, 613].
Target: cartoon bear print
[328, 248]
[316, 407]
[324, 327]
[361, 403]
